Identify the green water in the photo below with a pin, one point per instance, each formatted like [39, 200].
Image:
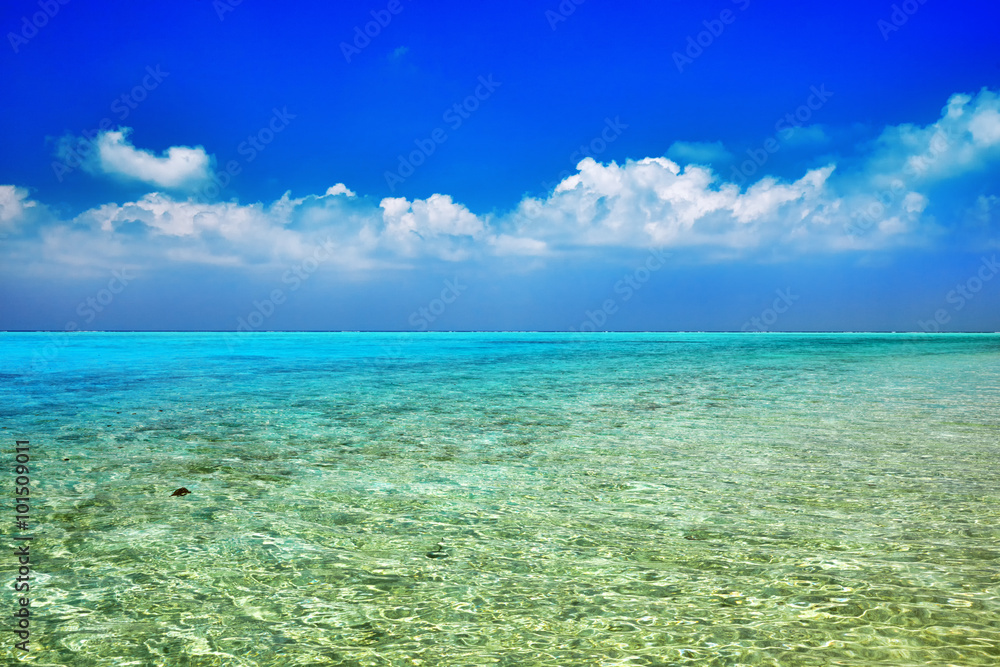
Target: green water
[617, 499]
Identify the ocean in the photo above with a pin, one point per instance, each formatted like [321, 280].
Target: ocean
[504, 498]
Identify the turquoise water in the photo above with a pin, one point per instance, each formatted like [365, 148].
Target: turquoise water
[615, 499]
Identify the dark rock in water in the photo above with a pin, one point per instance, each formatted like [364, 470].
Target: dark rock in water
[180, 492]
[699, 534]
[65, 459]
[439, 552]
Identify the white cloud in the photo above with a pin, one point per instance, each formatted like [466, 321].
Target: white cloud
[966, 138]
[180, 166]
[985, 127]
[654, 201]
[339, 189]
[113, 154]
[435, 224]
[165, 216]
[13, 202]
[891, 196]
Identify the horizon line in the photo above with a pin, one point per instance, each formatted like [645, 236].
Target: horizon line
[493, 331]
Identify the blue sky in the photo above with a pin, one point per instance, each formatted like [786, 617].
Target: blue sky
[522, 165]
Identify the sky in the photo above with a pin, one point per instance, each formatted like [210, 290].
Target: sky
[733, 165]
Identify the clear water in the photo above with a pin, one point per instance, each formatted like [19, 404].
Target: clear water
[616, 499]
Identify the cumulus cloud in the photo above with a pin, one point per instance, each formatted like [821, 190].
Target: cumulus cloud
[965, 138]
[113, 154]
[918, 180]
[656, 202]
[339, 189]
[448, 229]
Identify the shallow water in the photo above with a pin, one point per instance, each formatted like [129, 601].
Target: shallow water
[611, 499]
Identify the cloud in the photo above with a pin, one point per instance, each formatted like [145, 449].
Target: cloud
[160, 230]
[17, 211]
[656, 202]
[339, 189]
[399, 52]
[965, 139]
[694, 152]
[436, 223]
[804, 136]
[911, 186]
[13, 202]
[924, 180]
[113, 154]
